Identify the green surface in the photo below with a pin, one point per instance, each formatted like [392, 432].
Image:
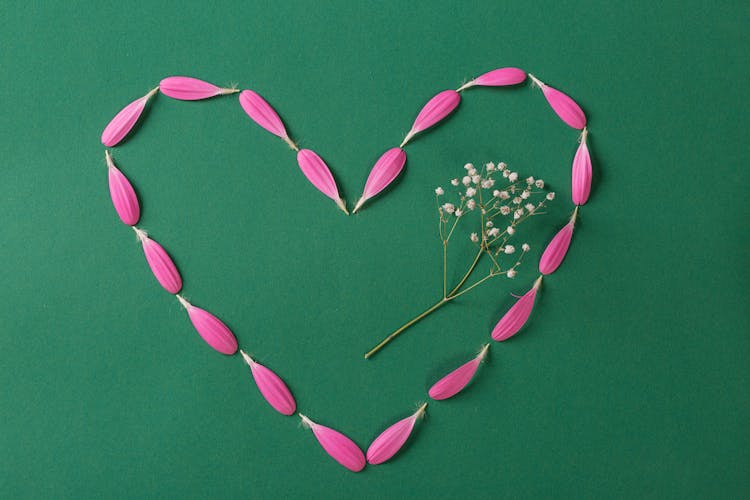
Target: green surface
[631, 381]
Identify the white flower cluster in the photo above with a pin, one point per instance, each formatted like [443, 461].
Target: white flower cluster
[493, 192]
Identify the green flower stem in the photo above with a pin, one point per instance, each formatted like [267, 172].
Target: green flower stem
[455, 292]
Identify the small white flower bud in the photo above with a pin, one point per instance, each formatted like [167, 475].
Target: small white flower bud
[510, 230]
[551, 196]
[490, 223]
[449, 208]
[513, 177]
[468, 166]
[454, 182]
[474, 237]
[439, 191]
[471, 204]
[525, 195]
[466, 180]
[470, 192]
[525, 247]
[459, 212]
[509, 249]
[539, 183]
[502, 165]
[511, 273]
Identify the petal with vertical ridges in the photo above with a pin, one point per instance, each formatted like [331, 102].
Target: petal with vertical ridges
[273, 389]
[337, 445]
[557, 248]
[161, 263]
[186, 88]
[318, 173]
[125, 120]
[123, 195]
[500, 77]
[385, 171]
[210, 328]
[458, 379]
[566, 108]
[513, 320]
[581, 172]
[436, 109]
[391, 440]
[262, 113]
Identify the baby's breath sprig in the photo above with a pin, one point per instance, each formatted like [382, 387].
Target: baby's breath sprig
[499, 200]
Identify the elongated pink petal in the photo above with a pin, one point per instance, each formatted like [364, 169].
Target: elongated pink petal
[122, 194]
[392, 439]
[455, 381]
[118, 128]
[516, 317]
[186, 88]
[385, 170]
[582, 172]
[160, 263]
[565, 107]
[498, 78]
[317, 172]
[214, 332]
[271, 386]
[557, 248]
[340, 447]
[435, 110]
[262, 113]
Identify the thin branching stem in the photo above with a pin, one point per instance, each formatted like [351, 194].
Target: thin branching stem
[445, 268]
[490, 243]
[446, 298]
[490, 275]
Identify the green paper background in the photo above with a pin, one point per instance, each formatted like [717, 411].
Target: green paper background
[631, 380]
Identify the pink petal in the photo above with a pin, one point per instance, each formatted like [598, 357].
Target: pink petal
[435, 110]
[160, 263]
[555, 252]
[500, 77]
[392, 439]
[214, 332]
[455, 381]
[186, 88]
[565, 107]
[122, 194]
[123, 121]
[262, 113]
[317, 172]
[517, 315]
[385, 170]
[272, 387]
[582, 172]
[340, 447]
